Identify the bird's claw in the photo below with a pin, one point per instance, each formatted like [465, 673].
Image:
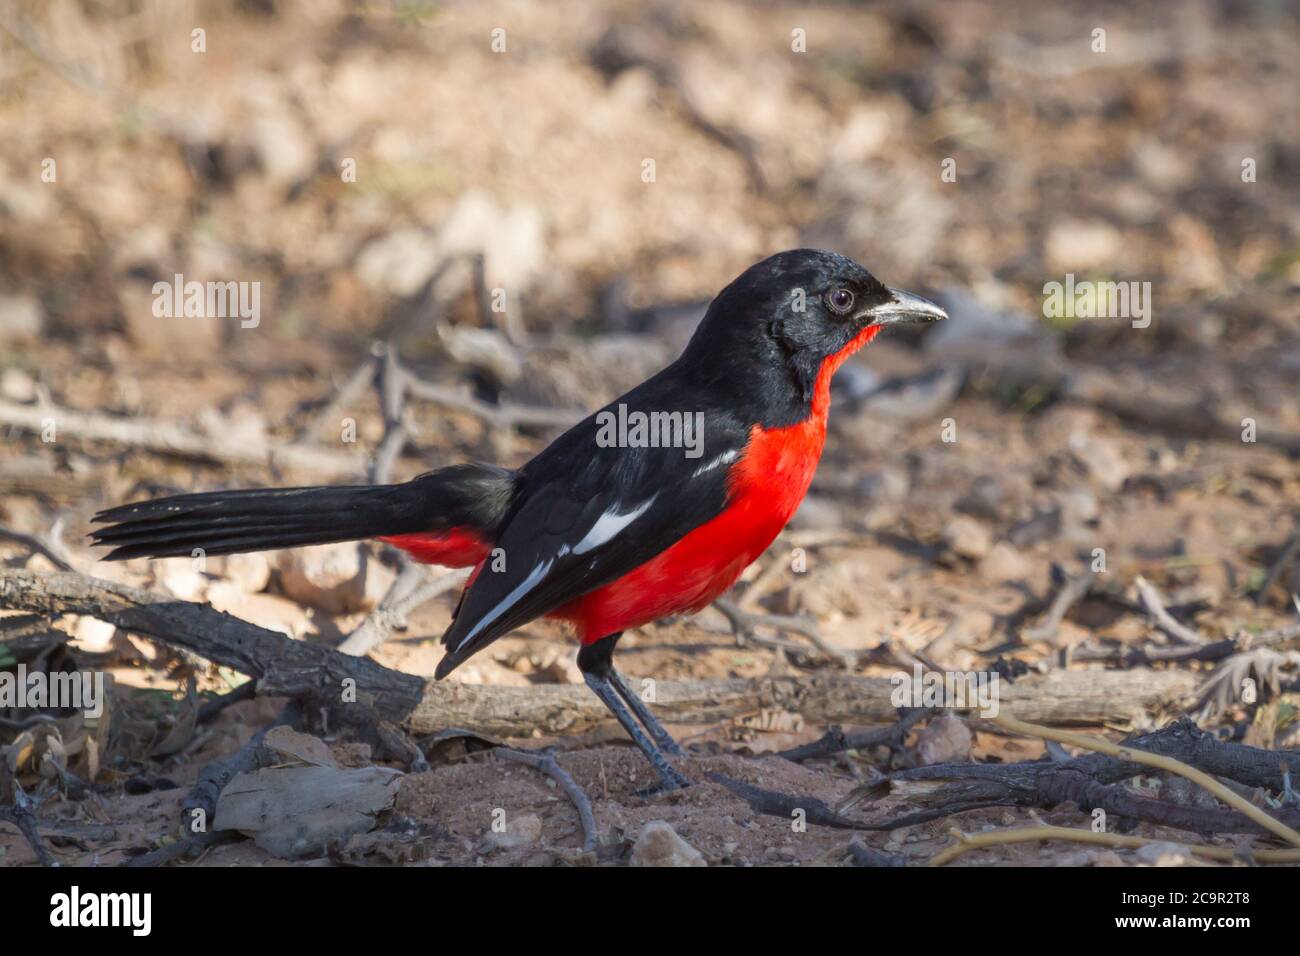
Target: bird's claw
[670, 780]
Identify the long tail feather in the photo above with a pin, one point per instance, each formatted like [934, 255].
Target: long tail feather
[230, 522]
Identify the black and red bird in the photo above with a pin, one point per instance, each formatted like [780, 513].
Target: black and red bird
[605, 535]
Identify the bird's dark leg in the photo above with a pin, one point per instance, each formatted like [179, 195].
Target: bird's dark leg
[594, 660]
[643, 714]
[599, 657]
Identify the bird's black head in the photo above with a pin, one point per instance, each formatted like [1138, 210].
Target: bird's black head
[796, 310]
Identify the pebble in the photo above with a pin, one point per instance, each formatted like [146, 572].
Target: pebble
[659, 845]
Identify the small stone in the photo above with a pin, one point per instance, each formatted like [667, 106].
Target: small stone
[1164, 854]
[162, 335]
[967, 538]
[144, 248]
[984, 499]
[93, 635]
[521, 831]
[512, 239]
[817, 513]
[885, 485]
[659, 845]
[945, 739]
[283, 149]
[21, 318]
[1077, 246]
[180, 577]
[863, 133]
[1078, 507]
[400, 262]
[1005, 564]
[249, 572]
[335, 578]
[17, 385]
[1101, 459]
[563, 670]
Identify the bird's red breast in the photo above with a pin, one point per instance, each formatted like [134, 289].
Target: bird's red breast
[767, 483]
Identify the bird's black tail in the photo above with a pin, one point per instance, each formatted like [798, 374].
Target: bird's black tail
[259, 519]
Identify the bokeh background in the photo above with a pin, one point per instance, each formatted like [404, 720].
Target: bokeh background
[382, 169]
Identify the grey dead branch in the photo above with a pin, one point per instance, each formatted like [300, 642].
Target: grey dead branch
[297, 669]
[303, 809]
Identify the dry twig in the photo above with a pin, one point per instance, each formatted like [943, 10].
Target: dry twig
[743, 625]
[549, 765]
[1159, 762]
[1155, 606]
[966, 843]
[21, 816]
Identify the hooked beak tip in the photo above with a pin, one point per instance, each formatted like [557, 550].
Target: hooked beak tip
[906, 308]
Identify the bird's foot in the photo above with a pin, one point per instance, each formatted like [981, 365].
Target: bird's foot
[670, 778]
[668, 783]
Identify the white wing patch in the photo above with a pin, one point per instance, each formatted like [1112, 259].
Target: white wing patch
[607, 526]
[610, 524]
[725, 458]
[526, 585]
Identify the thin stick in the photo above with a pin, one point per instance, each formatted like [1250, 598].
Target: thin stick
[210, 709]
[1071, 593]
[411, 588]
[347, 393]
[1097, 745]
[174, 438]
[21, 816]
[749, 600]
[36, 544]
[743, 623]
[835, 740]
[391, 382]
[547, 764]
[864, 855]
[966, 843]
[1289, 553]
[1164, 620]
[390, 614]
[784, 805]
[498, 416]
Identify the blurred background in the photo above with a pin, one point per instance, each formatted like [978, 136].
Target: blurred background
[531, 203]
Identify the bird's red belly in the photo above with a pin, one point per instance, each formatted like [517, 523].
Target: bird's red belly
[456, 548]
[767, 484]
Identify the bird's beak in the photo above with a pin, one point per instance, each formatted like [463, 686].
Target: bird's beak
[904, 307]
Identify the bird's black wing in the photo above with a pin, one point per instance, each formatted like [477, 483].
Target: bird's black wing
[585, 515]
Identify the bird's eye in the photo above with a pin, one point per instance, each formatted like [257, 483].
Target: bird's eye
[841, 300]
